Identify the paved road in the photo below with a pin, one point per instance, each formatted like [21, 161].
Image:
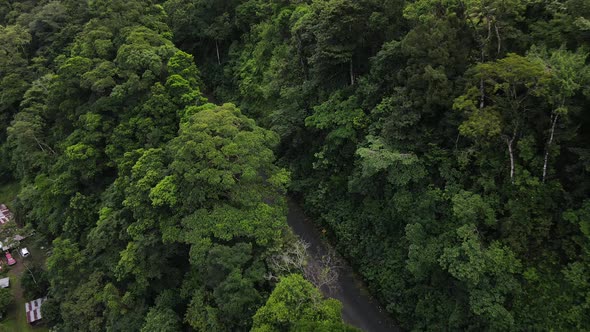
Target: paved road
[359, 308]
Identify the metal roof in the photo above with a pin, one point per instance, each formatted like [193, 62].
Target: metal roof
[5, 214]
[33, 309]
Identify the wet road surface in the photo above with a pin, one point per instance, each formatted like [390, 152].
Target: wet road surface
[359, 308]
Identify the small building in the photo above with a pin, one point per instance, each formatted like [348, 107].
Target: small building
[7, 244]
[33, 310]
[5, 214]
[4, 282]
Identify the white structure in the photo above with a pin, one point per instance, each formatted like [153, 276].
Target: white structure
[5, 283]
[33, 310]
[24, 252]
[5, 214]
[7, 244]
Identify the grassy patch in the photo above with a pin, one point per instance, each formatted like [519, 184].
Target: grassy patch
[8, 193]
[15, 319]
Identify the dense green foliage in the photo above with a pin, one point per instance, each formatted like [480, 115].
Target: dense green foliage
[295, 305]
[6, 299]
[34, 282]
[162, 208]
[443, 144]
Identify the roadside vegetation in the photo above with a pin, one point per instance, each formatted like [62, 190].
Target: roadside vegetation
[442, 145]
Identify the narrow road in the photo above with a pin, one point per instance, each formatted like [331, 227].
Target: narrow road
[359, 308]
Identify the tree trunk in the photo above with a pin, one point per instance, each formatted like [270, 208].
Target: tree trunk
[549, 146]
[31, 272]
[217, 49]
[351, 73]
[41, 144]
[499, 40]
[482, 59]
[38, 143]
[300, 55]
[509, 143]
[481, 85]
[303, 68]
